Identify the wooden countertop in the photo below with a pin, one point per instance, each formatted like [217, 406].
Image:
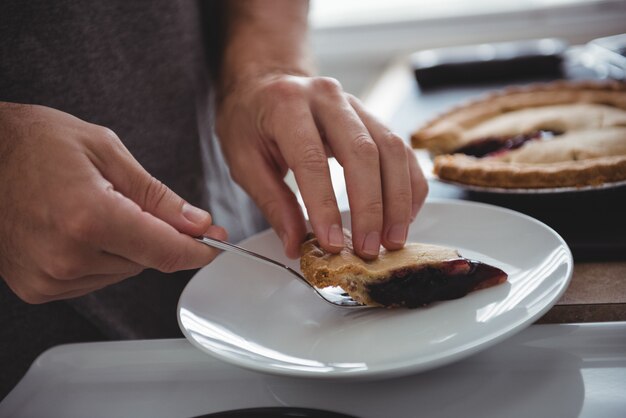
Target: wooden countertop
[597, 293]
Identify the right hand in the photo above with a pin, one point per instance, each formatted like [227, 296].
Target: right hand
[78, 212]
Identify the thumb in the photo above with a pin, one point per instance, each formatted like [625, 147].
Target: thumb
[129, 178]
[156, 198]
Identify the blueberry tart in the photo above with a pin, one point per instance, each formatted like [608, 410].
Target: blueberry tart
[414, 276]
[560, 134]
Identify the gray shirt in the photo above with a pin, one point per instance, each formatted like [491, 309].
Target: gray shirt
[141, 69]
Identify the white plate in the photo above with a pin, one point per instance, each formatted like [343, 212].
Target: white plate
[257, 317]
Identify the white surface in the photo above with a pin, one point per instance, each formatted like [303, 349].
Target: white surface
[544, 371]
[261, 318]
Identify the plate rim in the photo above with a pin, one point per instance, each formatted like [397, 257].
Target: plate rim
[533, 191]
[398, 369]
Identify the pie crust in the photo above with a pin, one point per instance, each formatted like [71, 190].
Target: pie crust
[414, 276]
[586, 144]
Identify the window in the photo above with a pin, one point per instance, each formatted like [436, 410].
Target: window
[333, 13]
[354, 40]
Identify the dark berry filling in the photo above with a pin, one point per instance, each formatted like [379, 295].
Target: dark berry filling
[497, 144]
[450, 280]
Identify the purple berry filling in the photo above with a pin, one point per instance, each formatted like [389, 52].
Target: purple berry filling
[494, 145]
[416, 288]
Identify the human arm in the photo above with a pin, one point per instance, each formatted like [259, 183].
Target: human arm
[274, 115]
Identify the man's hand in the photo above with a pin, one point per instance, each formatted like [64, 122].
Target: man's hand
[276, 123]
[80, 213]
[272, 116]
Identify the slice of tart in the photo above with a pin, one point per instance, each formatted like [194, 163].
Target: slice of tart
[414, 276]
[560, 134]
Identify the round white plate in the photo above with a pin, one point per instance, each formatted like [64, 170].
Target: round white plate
[261, 318]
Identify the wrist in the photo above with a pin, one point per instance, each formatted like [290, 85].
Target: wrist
[263, 39]
[256, 74]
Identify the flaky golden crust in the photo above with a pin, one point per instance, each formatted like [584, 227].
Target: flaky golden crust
[591, 152]
[358, 277]
[451, 123]
[469, 170]
[353, 274]
[324, 269]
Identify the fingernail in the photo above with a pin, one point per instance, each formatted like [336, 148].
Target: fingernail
[335, 236]
[194, 215]
[397, 234]
[371, 244]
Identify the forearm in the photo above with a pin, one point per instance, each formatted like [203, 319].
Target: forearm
[263, 37]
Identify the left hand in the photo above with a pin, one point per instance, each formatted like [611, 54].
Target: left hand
[271, 123]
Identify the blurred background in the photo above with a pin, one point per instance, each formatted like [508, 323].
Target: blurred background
[355, 40]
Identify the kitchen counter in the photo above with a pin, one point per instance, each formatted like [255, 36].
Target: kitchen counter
[596, 293]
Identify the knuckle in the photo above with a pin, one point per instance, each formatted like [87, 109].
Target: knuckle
[63, 268]
[31, 297]
[24, 294]
[47, 290]
[327, 85]
[171, 263]
[285, 90]
[373, 207]
[364, 148]
[80, 225]
[33, 293]
[35, 289]
[393, 143]
[327, 203]
[154, 193]
[302, 134]
[312, 158]
[107, 140]
[107, 134]
[402, 198]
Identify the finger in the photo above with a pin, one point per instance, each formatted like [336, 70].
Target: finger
[276, 201]
[138, 236]
[95, 283]
[357, 152]
[395, 176]
[300, 144]
[71, 262]
[419, 185]
[89, 283]
[117, 165]
[41, 288]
